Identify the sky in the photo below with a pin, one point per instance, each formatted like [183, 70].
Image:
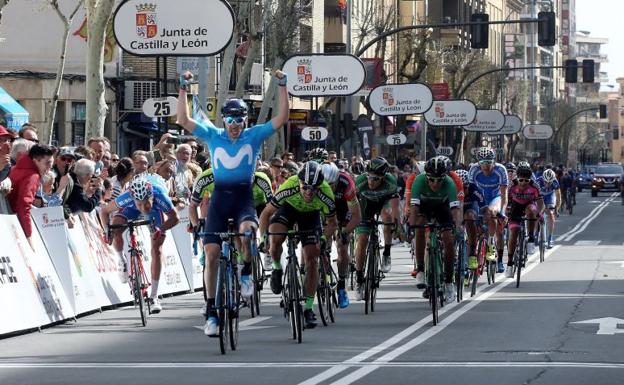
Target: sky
[603, 18]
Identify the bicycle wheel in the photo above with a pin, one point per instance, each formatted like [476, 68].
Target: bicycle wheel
[256, 271]
[491, 272]
[433, 287]
[518, 259]
[368, 280]
[376, 278]
[542, 241]
[221, 305]
[233, 302]
[288, 300]
[297, 307]
[139, 299]
[459, 271]
[321, 293]
[332, 302]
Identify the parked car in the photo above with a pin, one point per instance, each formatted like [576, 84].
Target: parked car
[606, 178]
[584, 178]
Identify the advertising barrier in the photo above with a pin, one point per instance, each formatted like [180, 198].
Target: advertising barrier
[184, 243]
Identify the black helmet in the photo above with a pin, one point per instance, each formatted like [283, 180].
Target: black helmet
[436, 167]
[447, 162]
[510, 166]
[378, 166]
[524, 170]
[318, 154]
[234, 107]
[357, 168]
[311, 174]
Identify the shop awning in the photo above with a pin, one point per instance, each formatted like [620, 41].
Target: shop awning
[14, 114]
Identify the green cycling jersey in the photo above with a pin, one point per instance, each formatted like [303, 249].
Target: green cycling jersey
[289, 193]
[423, 194]
[261, 188]
[386, 191]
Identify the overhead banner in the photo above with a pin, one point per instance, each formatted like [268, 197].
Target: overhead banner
[537, 131]
[324, 75]
[173, 28]
[487, 121]
[451, 113]
[513, 125]
[400, 99]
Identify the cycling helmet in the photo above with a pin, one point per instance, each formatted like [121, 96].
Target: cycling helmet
[419, 168]
[463, 175]
[311, 174]
[486, 153]
[330, 172]
[447, 162]
[234, 107]
[524, 164]
[140, 189]
[342, 164]
[510, 166]
[435, 167]
[357, 168]
[291, 167]
[318, 155]
[378, 166]
[548, 175]
[524, 170]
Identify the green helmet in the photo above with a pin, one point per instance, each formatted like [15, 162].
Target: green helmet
[378, 166]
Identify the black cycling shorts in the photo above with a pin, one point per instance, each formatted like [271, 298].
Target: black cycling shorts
[440, 213]
[289, 216]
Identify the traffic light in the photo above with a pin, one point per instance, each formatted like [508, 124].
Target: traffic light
[571, 71]
[546, 34]
[479, 33]
[603, 111]
[588, 71]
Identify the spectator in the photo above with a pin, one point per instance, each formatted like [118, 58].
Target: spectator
[84, 152]
[276, 172]
[141, 162]
[46, 195]
[20, 148]
[166, 169]
[194, 147]
[107, 194]
[87, 191]
[106, 159]
[65, 159]
[124, 172]
[332, 156]
[29, 132]
[288, 157]
[164, 148]
[6, 138]
[25, 178]
[184, 176]
[99, 147]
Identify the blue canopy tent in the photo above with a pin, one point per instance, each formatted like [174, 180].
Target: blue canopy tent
[13, 114]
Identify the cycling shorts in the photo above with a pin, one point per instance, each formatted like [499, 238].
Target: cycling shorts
[549, 200]
[439, 213]
[131, 214]
[471, 206]
[494, 203]
[305, 221]
[235, 202]
[518, 211]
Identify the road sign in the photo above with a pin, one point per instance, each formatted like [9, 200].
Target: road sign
[606, 325]
[314, 134]
[446, 151]
[160, 107]
[324, 75]
[537, 131]
[400, 99]
[451, 113]
[487, 121]
[173, 28]
[396, 139]
[211, 108]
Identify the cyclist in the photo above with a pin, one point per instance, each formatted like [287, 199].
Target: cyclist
[377, 192]
[566, 183]
[146, 197]
[511, 171]
[549, 187]
[301, 200]
[233, 153]
[525, 199]
[491, 178]
[348, 216]
[473, 199]
[434, 197]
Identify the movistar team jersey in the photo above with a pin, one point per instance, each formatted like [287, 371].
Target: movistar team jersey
[545, 189]
[490, 184]
[422, 194]
[387, 189]
[233, 161]
[261, 189]
[289, 193]
[162, 202]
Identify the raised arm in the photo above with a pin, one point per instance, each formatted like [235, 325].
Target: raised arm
[284, 109]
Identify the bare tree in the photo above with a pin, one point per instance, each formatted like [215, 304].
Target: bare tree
[413, 62]
[255, 32]
[66, 20]
[98, 15]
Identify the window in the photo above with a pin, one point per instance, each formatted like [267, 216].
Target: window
[79, 112]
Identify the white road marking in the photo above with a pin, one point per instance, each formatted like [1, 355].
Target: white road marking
[582, 225]
[606, 326]
[319, 364]
[587, 243]
[247, 324]
[621, 263]
[472, 302]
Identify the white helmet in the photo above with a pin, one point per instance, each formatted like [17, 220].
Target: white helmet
[420, 166]
[463, 175]
[549, 175]
[140, 189]
[330, 172]
[485, 153]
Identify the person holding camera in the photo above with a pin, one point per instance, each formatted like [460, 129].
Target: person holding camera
[87, 191]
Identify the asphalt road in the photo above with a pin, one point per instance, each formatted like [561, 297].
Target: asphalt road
[525, 335]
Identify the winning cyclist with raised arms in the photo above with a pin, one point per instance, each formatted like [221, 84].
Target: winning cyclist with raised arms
[233, 152]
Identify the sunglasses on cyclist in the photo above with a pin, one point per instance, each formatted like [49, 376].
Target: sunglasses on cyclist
[308, 187]
[486, 162]
[231, 119]
[523, 180]
[433, 179]
[373, 178]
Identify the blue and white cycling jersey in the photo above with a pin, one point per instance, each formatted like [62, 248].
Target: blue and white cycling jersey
[162, 203]
[547, 190]
[489, 184]
[233, 162]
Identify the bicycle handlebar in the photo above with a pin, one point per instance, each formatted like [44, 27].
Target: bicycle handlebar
[138, 223]
[292, 233]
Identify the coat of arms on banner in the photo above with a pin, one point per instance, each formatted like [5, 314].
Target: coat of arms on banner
[439, 110]
[304, 70]
[146, 22]
[388, 98]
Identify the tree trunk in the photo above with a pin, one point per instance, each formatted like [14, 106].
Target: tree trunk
[49, 128]
[255, 43]
[3, 3]
[98, 15]
[226, 72]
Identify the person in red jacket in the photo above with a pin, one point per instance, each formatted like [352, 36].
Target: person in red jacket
[25, 178]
